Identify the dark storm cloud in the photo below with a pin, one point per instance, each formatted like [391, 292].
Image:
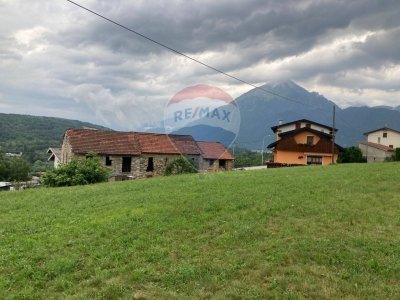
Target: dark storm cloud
[58, 50]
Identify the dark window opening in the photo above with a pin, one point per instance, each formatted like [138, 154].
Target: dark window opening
[308, 125]
[222, 163]
[150, 165]
[108, 161]
[298, 125]
[385, 134]
[310, 140]
[391, 146]
[314, 160]
[126, 163]
[211, 162]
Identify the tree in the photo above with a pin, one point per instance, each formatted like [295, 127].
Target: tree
[13, 168]
[77, 172]
[351, 155]
[180, 165]
[19, 169]
[396, 155]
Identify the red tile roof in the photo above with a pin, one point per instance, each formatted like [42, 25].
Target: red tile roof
[214, 150]
[103, 142]
[167, 144]
[377, 146]
[185, 144]
[130, 143]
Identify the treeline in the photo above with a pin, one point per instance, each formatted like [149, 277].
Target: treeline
[33, 135]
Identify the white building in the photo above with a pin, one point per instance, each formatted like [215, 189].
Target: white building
[55, 156]
[380, 144]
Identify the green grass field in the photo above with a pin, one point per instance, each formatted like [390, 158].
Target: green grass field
[295, 233]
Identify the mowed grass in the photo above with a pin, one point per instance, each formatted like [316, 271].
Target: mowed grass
[295, 233]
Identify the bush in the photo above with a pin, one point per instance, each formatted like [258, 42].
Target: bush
[396, 155]
[77, 172]
[351, 155]
[180, 165]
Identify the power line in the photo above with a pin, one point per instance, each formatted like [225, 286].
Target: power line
[183, 54]
[192, 58]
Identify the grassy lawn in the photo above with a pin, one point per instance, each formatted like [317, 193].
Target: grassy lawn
[295, 233]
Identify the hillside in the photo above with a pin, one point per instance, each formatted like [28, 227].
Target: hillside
[327, 233]
[33, 135]
[259, 111]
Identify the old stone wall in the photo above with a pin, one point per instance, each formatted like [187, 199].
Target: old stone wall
[66, 151]
[212, 165]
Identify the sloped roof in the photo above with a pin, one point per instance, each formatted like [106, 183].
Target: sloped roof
[382, 129]
[275, 128]
[167, 144]
[103, 142]
[377, 146]
[185, 144]
[214, 150]
[129, 143]
[55, 152]
[285, 136]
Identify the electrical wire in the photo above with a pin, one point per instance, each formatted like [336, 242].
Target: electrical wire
[183, 54]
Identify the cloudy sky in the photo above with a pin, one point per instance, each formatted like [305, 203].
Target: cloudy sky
[59, 60]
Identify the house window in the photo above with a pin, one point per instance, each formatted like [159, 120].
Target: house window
[126, 164]
[308, 125]
[211, 162]
[391, 146]
[222, 163]
[108, 161]
[150, 165]
[314, 160]
[385, 134]
[310, 140]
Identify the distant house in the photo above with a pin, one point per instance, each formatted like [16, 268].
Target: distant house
[380, 144]
[133, 154]
[10, 154]
[55, 156]
[303, 142]
[214, 157]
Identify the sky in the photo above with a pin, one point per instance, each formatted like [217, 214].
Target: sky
[59, 60]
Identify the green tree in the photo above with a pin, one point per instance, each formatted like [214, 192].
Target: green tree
[19, 169]
[180, 165]
[13, 169]
[396, 155]
[77, 172]
[351, 155]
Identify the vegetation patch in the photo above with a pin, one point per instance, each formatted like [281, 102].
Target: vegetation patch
[293, 233]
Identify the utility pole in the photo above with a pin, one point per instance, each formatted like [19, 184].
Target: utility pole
[333, 133]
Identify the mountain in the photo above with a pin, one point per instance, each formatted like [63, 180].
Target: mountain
[260, 110]
[33, 135]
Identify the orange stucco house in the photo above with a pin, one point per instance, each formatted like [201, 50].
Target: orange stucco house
[303, 142]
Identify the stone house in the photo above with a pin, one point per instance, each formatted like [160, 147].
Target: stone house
[214, 157]
[130, 154]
